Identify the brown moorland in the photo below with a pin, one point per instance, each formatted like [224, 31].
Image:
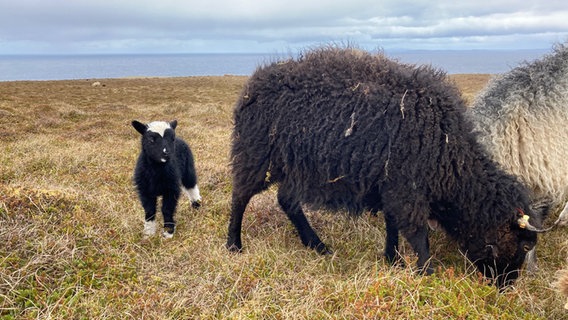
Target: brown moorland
[71, 244]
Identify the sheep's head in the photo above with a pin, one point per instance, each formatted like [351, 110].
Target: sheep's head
[499, 253]
[157, 139]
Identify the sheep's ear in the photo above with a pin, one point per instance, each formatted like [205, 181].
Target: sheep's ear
[174, 124]
[139, 126]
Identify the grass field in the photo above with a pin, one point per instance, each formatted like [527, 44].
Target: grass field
[71, 244]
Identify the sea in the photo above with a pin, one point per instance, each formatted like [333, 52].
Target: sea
[102, 66]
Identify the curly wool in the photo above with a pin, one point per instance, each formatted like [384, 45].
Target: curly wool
[322, 127]
[521, 118]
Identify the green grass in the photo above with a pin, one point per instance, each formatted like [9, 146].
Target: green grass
[71, 244]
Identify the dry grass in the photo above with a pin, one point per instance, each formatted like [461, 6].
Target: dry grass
[70, 225]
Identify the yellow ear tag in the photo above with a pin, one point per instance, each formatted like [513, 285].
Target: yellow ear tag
[523, 221]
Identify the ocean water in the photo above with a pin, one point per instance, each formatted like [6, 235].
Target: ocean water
[63, 67]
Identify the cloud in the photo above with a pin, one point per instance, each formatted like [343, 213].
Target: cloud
[198, 25]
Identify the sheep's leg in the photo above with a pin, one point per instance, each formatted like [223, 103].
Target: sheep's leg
[293, 210]
[169, 204]
[418, 239]
[248, 180]
[240, 199]
[238, 206]
[149, 205]
[391, 246]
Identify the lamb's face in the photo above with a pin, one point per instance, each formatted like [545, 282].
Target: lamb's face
[158, 139]
[501, 253]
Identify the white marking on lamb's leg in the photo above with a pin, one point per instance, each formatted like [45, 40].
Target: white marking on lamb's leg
[149, 228]
[193, 195]
[169, 229]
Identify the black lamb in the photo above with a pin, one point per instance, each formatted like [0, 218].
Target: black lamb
[164, 168]
[341, 128]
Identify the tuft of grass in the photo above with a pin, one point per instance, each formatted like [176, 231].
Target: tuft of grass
[71, 244]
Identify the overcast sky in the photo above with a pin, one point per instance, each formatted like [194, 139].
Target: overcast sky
[283, 26]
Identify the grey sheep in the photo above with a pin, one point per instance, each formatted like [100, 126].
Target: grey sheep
[521, 118]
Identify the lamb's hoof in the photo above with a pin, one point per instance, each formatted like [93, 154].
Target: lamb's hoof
[149, 229]
[196, 204]
[168, 232]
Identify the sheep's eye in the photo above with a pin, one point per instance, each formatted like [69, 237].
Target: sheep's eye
[526, 248]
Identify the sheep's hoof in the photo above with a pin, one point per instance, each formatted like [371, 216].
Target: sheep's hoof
[396, 260]
[322, 249]
[196, 204]
[426, 270]
[234, 246]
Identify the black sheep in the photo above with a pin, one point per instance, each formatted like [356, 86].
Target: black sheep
[164, 168]
[340, 128]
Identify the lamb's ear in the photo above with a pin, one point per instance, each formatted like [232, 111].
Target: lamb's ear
[174, 124]
[139, 126]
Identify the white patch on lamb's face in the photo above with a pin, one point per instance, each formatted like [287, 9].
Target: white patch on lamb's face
[159, 127]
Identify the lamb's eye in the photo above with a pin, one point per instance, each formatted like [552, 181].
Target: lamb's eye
[526, 248]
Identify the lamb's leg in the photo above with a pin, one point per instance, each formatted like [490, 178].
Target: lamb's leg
[149, 205]
[169, 204]
[293, 210]
[193, 195]
[189, 185]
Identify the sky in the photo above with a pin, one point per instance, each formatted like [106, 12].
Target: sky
[282, 26]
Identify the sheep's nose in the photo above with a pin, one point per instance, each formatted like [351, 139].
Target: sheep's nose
[165, 155]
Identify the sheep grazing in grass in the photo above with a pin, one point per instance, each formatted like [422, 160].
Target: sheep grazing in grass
[340, 128]
[521, 118]
[164, 168]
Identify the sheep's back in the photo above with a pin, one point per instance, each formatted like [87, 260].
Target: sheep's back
[341, 122]
[522, 118]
